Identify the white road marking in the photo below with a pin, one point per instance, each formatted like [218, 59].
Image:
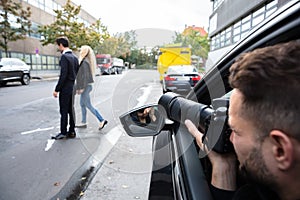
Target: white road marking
[36, 130]
[142, 99]
[104, 148]
[49, 144]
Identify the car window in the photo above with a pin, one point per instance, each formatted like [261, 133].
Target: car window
[15, 63]
[20, 63]
[182, 69]
[5, 62]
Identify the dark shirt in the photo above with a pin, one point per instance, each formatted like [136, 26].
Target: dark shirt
[245, 192]
[68, 69]
[84, 76]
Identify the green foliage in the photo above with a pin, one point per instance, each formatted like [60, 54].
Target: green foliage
[144, 58]
[119, 45]
[16, 29]
[199, 44]
[66, 24]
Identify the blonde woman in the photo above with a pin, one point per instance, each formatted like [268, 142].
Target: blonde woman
[84, 81]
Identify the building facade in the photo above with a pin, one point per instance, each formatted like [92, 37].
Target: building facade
[231, 20]
[31, 50]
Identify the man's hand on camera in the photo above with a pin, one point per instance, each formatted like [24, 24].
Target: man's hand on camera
[223, 165]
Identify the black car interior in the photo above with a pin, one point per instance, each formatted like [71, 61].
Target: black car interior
[209, 88]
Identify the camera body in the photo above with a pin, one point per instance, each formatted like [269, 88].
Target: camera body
[212, 120]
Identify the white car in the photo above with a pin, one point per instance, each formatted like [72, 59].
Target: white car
[14, 69]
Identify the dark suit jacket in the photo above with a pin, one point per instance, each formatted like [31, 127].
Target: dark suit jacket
[68, 70]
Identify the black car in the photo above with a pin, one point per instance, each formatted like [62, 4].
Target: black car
[180, 79]
[178, 172]
[14, 69]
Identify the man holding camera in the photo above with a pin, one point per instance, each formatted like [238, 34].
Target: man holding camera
[264, 115]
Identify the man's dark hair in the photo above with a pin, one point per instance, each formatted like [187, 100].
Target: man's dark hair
[62, 40]
[269, 80]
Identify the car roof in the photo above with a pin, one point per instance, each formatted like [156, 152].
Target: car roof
[10, 59]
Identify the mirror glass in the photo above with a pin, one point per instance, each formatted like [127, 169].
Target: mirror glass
[143, 121]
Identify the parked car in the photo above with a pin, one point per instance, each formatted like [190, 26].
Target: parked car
[180, 78]
[14, 69]
[178, 172]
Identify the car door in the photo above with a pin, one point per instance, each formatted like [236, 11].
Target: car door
[7, 70]
[189, 173]
[180, 170]
[17, 69]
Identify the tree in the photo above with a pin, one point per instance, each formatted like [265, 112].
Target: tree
[119, 45]
[67, 24]
[199, 44]
[14, 24]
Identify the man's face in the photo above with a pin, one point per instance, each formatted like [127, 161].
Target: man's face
[248, 148]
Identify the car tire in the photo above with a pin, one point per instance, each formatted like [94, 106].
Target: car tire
[25, 79]
[3, 83]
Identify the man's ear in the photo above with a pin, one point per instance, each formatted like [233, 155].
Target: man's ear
[282, 149]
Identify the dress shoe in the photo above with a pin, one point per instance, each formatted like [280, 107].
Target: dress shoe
[59, 136]
[102, 124]
[81, 125]
[71, 135]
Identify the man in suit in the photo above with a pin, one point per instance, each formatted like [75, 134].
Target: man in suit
[65, 86]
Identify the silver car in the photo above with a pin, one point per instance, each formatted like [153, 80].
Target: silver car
[14, 69]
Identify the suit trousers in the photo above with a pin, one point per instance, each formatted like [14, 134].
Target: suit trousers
[67, 111]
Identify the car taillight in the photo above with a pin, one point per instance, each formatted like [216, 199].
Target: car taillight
[196, 78]
[168, 78]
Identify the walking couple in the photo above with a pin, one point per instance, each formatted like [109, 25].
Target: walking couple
[84, 68]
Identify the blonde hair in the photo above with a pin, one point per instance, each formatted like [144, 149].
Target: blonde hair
[87, 52]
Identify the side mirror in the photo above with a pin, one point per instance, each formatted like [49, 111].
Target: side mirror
[144, 121]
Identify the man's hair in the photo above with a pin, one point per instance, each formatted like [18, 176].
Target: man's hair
[62, 40]
[269, 80]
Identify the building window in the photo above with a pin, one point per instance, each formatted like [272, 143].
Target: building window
[216, 4]
[222, 39]
[49, 7]
[28, 59]
[237, 31]
[240, 28]
[34, 29]
[34, 3]
[228, 36]
[271, 7]
[258, 16]
[246, 25]
[17, 55]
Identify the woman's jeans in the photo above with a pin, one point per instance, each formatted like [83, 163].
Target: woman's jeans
[85, 102]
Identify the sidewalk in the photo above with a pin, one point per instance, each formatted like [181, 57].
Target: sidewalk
[125, 171]
[44, 74]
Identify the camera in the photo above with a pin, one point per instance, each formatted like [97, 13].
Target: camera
[212, 120]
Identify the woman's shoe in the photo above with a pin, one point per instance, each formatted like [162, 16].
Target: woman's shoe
[81, 125]
[102, 124]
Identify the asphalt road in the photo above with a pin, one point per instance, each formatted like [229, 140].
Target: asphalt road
[35, 167]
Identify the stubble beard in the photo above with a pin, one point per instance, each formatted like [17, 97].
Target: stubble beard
[255, 170]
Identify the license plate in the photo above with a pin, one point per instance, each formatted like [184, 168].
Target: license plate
[183, 78]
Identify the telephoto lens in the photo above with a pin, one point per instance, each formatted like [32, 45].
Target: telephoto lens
[212, 120]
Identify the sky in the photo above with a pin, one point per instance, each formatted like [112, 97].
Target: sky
[125, 15]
